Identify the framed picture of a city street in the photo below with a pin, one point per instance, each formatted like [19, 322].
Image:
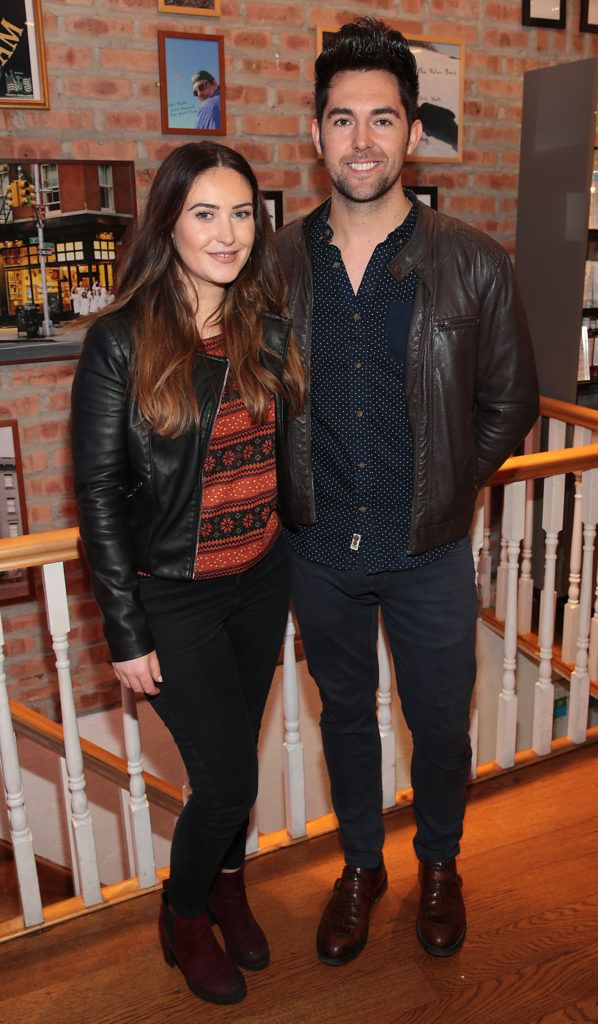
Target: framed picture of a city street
[15, 584]
[192, 92]
[207, 8]
[23, 76]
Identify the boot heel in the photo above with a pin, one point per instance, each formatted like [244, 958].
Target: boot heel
[167, 952]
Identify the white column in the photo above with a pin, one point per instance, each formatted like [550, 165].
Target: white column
[387, 733]
[579, 693]
[59, 625]
[552, 524]
[294, 773]
[513, 527]
[139, 812]
[525, 595]
[20, 834]
[581, 436]
[485, 566]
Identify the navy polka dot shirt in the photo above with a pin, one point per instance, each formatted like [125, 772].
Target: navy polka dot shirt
[362, 445]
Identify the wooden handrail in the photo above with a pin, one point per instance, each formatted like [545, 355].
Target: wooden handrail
[542, 464]
[43, 731]
[39, 549]
[577, 415]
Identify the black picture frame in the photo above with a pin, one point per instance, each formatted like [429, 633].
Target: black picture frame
[273, 200]
[15, 584]
[427, 194]
[544, 13]
[588, 18]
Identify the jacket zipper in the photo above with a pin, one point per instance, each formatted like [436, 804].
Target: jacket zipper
[201, 476]
[459, 321]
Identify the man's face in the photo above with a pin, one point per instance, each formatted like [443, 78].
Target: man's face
[364, 137]
[204, 89]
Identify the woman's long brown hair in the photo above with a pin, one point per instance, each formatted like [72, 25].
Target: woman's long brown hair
[152, 290]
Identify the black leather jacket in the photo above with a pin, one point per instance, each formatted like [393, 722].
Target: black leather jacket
[139, 494]
[470, 379]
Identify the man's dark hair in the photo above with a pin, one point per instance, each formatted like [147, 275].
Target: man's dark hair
[367, 44]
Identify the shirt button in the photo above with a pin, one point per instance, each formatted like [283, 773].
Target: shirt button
[361, 465]
[336, 264]
[359, 413]
[358, 364]
[362, 508]
[357, 316]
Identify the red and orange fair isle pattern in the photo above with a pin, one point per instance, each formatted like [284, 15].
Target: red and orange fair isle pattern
[239, 521]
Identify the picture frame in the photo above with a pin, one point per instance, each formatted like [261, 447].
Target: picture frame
[427, 194]
[273, 201]
[441, 67]
[15, 584]
[588, 19]
[23, 73]
[205, 8]
[544, 13]
[183, 57]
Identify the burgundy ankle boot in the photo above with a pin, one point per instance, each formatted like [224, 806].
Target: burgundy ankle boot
[189, 942]
[245, 941]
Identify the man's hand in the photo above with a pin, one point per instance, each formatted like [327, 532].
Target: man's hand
[140, 674]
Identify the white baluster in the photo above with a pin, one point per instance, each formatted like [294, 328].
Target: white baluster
[126, 820]
[474, 734]
[581, 436]
[387, 733]
[525, 595]
[485, 566]
[20, 834]
[66, 799]
[476, 534]
[500, 602]
[593, 654]
[557, 431]
[552, 524]
[59, 625]
[513, 528]
[579, 693]
[294, 773]
[141, 825]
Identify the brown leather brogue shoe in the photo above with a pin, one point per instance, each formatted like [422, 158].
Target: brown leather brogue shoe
[245, 941]
[343, 930]
[441, 924]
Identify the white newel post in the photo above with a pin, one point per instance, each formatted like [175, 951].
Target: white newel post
[294, 772]
[59, 625]
[552, 524]
[485, 565]
[581, 436]
[579, 692]
[387, 734]
[513, 525]
[22, 842]
[525, 595]
[139, 812]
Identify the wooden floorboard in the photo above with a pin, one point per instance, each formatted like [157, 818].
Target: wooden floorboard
[530, 868]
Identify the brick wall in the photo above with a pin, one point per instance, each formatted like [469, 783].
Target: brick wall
[104, 105]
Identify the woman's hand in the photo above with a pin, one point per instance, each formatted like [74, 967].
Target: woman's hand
[140, 674]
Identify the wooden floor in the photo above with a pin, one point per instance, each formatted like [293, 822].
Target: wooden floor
[530, 868]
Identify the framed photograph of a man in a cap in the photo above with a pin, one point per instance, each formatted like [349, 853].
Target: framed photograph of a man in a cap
[192, 84]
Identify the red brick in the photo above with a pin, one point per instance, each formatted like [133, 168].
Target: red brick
[270, 124]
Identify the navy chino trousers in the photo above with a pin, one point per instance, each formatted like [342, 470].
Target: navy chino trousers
[430, 617]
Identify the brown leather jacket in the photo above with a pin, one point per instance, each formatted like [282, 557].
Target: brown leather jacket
[470, 378]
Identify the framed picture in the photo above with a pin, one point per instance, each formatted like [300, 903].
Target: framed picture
[208, 8]
[427, 194]
[544, 13]
[192, 91]
[23, 75]
[589, 16]
[440, 64]
[273, 201]
[15, 584]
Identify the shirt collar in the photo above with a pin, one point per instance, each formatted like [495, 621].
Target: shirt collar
[322, 232]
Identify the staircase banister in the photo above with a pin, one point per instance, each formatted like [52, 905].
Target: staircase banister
[578, 415]
[39, 549]
[543, 464]
[41, 730]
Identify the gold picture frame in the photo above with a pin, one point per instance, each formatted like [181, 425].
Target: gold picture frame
[201, 7]
[23, 73]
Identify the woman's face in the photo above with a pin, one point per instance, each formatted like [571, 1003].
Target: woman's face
[215, 231]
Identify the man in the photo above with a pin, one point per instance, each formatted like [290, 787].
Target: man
[422, 382]
[206, 88]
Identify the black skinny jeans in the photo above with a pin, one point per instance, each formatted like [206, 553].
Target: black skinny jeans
[217, 642]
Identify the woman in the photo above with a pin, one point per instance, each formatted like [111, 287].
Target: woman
[179, 407]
